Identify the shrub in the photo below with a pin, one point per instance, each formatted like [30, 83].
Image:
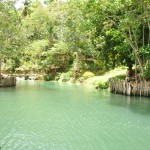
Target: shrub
[147, 72]
[119, 78]
[87, 75]
[64, 77]
[48, 77]
[102, 85]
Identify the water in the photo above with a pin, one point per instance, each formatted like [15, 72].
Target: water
[53, 116]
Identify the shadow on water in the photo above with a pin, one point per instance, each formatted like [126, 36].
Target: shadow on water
[139, 105]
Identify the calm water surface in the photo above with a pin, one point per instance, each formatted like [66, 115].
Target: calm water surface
[53, 116]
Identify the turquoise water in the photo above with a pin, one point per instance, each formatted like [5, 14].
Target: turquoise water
[53, 116]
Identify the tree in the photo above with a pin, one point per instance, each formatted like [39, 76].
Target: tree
[9, 29]
[134, 24]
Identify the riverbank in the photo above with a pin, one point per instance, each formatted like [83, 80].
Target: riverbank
[87, 78]
[114, 80]
[102, 81]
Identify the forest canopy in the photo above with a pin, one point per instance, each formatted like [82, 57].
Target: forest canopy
[70, 36]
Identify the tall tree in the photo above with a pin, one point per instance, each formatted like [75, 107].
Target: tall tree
[134, 23]
[9, 29]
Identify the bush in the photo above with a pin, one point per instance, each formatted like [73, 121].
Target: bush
[48, 77]
[102, 85]
[64, 77]
[119, 78]
[147, 72]
[87, 75]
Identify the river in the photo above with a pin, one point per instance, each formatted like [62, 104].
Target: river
[55, 116]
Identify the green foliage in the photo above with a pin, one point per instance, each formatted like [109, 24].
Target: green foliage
[10, 35]
[145, 51]
[147, 72]
[87, 75]
[119, 78]
[58, 57]
[66, 76]
[49, 77]
[39, 24]
[103, 34]
[102, 85]
[9, 29]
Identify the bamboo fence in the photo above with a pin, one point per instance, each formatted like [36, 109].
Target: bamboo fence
[141, 88]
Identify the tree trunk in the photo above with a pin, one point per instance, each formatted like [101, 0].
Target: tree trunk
[139, 62]
[149, 32]
[135, 51]
[76, 65]
[135, 71]
[0, 70]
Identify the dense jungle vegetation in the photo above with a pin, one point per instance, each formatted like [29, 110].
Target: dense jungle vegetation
[67, 38]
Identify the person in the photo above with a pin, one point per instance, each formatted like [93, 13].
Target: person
[128, 75]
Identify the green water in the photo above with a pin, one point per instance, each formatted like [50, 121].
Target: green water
[53, 116]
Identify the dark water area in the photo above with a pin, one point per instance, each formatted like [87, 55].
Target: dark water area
[56, 116]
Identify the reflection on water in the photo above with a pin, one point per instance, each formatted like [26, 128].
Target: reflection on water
[135, 104]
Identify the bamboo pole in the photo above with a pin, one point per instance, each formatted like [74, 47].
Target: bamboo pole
[135, 89]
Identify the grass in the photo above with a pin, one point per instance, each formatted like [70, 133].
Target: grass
[104, 78]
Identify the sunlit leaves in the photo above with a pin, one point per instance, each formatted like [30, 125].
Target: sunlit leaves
[9, 28]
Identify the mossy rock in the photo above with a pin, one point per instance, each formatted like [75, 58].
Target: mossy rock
[8, 82]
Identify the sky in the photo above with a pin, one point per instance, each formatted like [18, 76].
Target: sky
[20, 3]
